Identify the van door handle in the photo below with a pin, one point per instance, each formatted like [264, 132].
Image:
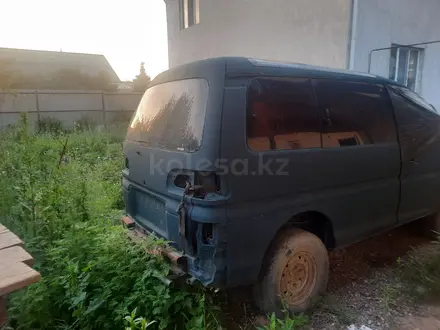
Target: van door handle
[138, 152]
[413, 161]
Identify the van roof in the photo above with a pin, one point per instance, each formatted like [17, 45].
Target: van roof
[243, 66]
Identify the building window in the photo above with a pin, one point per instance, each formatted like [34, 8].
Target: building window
[189, 13]
[404, 65]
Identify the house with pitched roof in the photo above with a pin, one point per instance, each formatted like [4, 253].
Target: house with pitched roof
[40, 68]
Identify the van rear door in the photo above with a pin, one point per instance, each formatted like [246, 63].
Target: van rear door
[419, 136]
[172, 137]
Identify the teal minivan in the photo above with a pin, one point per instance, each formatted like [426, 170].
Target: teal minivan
[253, 170]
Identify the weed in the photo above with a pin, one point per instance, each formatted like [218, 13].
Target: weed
[49, 125]
[61, 195]
[137, 323]
[286, 323]
[84, 124]
[389, 296]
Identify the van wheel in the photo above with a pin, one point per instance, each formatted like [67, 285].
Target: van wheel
[296, 274]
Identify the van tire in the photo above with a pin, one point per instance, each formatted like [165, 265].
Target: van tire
[296, 274]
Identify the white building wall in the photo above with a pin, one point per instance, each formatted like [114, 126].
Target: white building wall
[304, 31]
[383, 22]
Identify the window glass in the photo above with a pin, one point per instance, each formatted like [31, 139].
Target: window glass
[402, 69]
[404, 65]
[412, 69]
[189, 13]
[413, 97]
[282, 115]
[354, 113]
[171, 116]
[393, 63]
[417, 122]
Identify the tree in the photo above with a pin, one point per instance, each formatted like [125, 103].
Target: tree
[142, 80]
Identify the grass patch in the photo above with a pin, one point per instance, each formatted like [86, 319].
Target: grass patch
[420, 271]
[288, 322]
[390, 294]
[61, 194]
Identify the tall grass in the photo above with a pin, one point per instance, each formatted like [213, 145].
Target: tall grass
[61, 194]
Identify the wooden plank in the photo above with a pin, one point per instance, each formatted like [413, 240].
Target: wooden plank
[3, 228]
[15, 254]
[15, 272]
[8, 239]
[16, 276]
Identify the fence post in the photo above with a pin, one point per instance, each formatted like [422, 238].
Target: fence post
[104, 115]
[37, 104]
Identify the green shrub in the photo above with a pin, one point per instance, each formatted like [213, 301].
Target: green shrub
[61, 194]
[94, 277]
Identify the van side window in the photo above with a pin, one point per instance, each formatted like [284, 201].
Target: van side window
[282, 115]
[417, 122]
[354, 113]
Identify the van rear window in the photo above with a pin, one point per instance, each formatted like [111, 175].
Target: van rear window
[171, 116]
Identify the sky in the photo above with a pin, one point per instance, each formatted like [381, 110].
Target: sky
[127, 32]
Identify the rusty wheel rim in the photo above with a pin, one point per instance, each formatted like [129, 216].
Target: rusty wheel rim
[298, 278]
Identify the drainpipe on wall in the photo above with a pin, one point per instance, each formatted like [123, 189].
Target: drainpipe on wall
[353, 33]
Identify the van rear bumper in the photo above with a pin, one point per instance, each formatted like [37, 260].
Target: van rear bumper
[206, 267]
[177, 259]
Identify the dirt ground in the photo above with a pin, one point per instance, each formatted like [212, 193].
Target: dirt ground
[363, 290]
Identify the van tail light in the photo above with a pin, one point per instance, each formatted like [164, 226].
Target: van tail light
[202, 183]
[198, 184]
[127, 164]
[180, 180]
[209, 181]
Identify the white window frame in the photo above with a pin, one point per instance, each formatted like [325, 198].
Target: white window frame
[189, 12]
[196, 8]
[418, 66]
